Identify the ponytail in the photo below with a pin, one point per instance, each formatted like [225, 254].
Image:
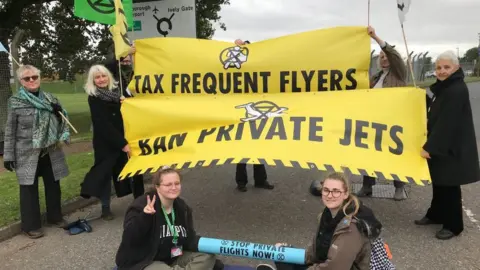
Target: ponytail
[351, 199]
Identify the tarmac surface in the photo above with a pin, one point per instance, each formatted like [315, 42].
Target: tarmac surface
[286, 214]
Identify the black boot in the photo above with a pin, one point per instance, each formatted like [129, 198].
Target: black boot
[425, 221]
[444, 234]
[107, 215]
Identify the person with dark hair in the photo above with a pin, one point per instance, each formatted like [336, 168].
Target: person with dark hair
[158, 230]
[392, 74]
[126, 69]
[259, 171]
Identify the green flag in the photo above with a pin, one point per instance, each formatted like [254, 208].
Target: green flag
[102, 11]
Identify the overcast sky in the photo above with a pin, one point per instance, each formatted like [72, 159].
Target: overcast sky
[432, 25]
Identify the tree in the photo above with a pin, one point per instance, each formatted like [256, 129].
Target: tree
[470, 55]
[206, 13]
[58, 42]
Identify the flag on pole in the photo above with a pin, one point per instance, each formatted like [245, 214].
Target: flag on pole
[119, 32]
[403, 6]
[2, 48]
[102, 11]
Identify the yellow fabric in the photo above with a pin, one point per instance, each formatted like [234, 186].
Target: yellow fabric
[119, 31]
[321, 60]
[299, 129]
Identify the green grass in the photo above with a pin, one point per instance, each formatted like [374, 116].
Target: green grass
[79, 164]
[79, 114]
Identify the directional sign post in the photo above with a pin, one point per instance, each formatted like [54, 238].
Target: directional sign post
[165, 18]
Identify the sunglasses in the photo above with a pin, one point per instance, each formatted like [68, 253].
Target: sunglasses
[33, 78]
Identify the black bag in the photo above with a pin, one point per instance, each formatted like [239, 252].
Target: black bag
[315, 188]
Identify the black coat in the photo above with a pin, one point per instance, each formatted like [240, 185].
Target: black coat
[108, 141]
[141, 233]
[451, 140]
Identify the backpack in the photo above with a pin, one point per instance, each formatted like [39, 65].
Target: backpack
[380, 256]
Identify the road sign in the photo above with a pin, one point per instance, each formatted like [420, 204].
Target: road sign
[164, 18]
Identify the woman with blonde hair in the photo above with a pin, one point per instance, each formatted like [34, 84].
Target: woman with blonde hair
[343, 237]
[110, 146]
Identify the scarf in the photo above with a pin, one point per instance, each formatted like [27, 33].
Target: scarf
[109, 95]
[328, 224]
[47, 129]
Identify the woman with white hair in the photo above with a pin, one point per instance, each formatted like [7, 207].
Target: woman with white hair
[110, 146]
[33, 135]
[451, 147]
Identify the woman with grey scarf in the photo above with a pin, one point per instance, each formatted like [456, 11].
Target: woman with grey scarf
[109, 144]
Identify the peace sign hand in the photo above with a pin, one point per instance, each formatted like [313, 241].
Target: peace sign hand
[150, 207]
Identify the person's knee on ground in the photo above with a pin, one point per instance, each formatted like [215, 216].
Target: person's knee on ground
[200, 260]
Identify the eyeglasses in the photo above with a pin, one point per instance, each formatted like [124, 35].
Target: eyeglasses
[335, 193]
[28, 78]
[171, 185]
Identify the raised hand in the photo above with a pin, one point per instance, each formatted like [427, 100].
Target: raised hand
[150, 207]
[371, 31]
[239, 42]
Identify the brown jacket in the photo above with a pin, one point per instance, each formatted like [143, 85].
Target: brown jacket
[349, 249]
[397, 76]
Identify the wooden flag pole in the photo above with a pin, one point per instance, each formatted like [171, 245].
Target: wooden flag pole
[408, 57]
[14, 60]
[63, 116]
[120, 78]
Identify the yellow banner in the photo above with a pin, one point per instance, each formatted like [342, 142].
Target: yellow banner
[119, 31]
[321, 60]
[370, 132]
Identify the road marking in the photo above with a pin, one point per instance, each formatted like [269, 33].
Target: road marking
[471, 216]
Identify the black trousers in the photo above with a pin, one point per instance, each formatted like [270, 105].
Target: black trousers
[259, 174]
[29, 199]
[136, 185]
[446, 208]
[370, 181]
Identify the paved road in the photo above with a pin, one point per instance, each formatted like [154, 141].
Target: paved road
[285, 214]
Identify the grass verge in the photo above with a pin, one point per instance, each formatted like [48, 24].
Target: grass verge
[79, 164]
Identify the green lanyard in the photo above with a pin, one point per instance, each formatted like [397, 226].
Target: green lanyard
[172, 229]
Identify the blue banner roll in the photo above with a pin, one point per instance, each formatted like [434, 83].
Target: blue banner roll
[251, 250]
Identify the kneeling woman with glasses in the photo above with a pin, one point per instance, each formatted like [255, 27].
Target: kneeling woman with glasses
[342, 240]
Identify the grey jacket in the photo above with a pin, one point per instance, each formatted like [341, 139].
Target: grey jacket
[19, 148]
[397, 76]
